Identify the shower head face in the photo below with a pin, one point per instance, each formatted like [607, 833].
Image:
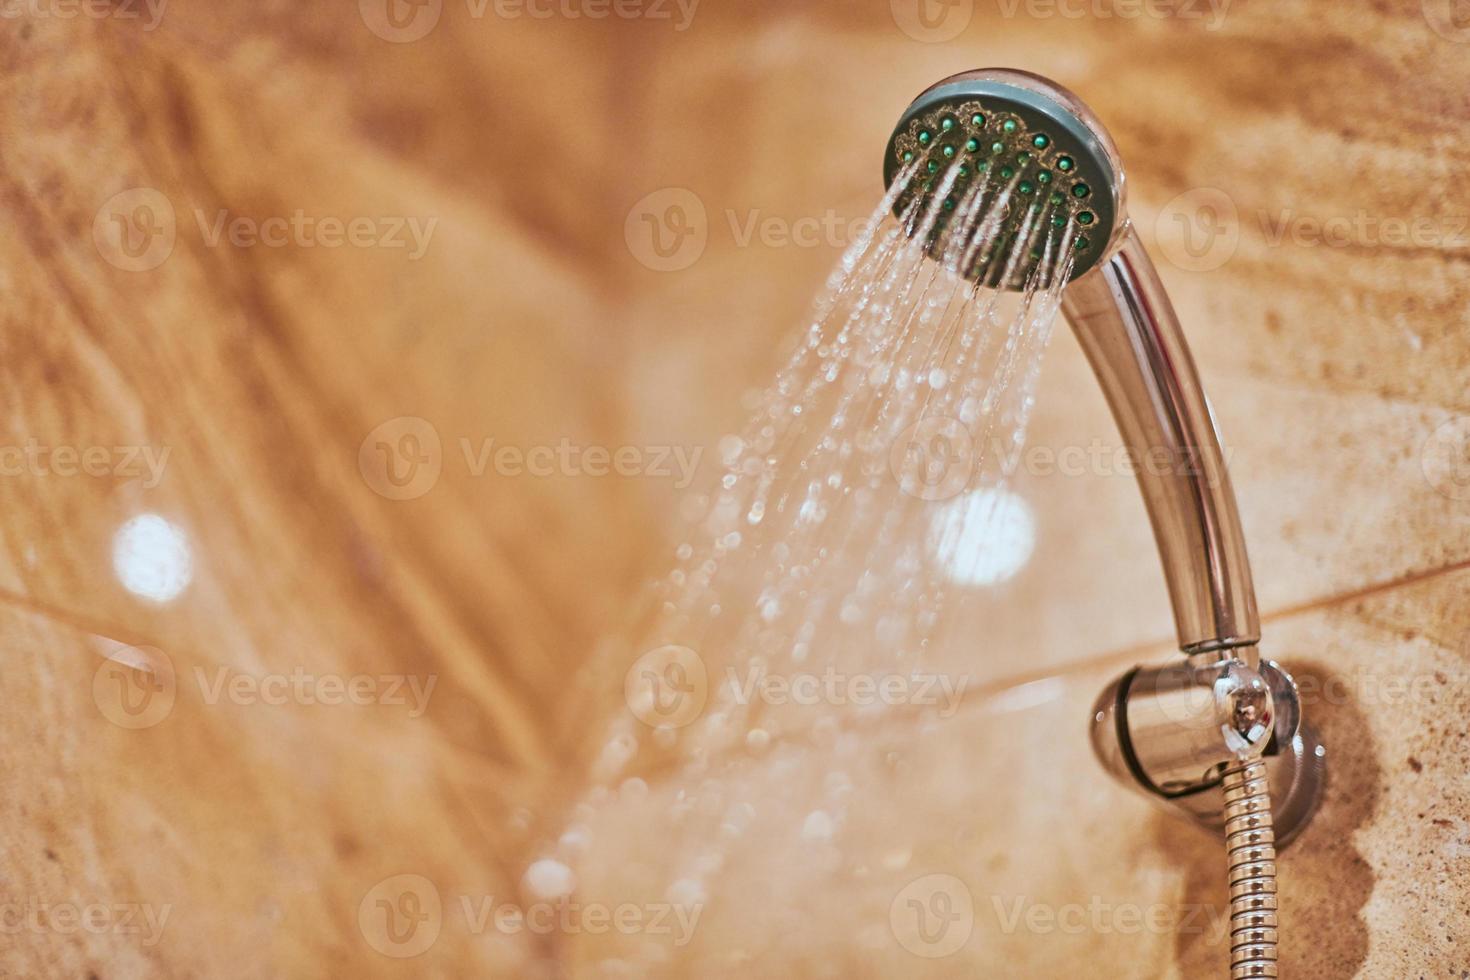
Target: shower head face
[1026, 149]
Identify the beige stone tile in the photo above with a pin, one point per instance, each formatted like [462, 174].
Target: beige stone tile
[795, 858]
[530, 320]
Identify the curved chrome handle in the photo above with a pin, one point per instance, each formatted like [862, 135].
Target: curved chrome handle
[1129, 331]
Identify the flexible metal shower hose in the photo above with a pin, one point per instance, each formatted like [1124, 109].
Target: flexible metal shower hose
[1251, 843]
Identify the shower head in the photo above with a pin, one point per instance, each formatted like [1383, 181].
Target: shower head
[1009, 181]
[1022, 144]
[1018, 154]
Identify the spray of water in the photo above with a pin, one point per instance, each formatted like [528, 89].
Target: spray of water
[848, 504]
[863, 487]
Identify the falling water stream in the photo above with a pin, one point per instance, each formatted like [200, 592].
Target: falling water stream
[864, 491]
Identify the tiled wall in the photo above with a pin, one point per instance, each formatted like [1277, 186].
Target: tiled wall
[1324, 144]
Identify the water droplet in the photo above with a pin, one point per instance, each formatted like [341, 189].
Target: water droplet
[575, 841]
[818, 826]
[737, 819]
[686, 892]
[730, 448]
[549, 879]
[758, 740]
[897, 859]
[619, 750]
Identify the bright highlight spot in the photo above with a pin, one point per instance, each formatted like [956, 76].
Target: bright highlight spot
[151, 558]
[984, 537]
[549, 879]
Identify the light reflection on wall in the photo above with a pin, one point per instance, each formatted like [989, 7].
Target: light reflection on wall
[984, 537]
[151, 558]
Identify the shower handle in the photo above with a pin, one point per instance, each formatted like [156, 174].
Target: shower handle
[1127, 327]
[1174, 731]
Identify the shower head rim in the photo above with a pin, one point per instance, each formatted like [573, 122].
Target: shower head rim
[1036, 98]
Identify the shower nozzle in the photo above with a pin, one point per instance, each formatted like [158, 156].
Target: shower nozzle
[1020, 139]
[1009, 181]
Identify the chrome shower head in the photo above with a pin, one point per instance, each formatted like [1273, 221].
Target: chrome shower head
[986, 164]
[1036, 135]
[1034, 149]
